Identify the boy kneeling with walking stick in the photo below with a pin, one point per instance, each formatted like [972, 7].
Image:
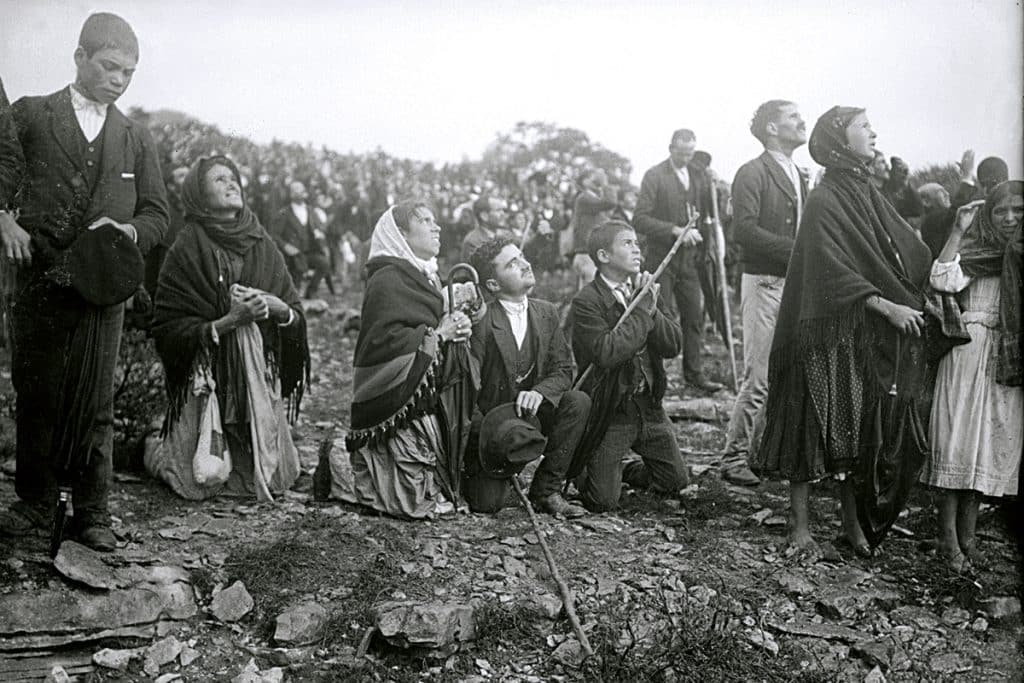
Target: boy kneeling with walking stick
[628, 381]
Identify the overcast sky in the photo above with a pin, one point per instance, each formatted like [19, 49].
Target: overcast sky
[438, 80]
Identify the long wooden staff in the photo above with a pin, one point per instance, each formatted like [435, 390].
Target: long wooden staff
[635, 301]
[723, 288]
[563, 587]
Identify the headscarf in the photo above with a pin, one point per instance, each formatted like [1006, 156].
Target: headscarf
[236, 234]
[388, 240]
[828, 145]
[986, 251]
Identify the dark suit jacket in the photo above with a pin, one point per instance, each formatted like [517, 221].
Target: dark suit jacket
[286, 229]
[54, 199]
[661, 206]
[12, 160]
[493, 345]
[595, 310]
[764, 207]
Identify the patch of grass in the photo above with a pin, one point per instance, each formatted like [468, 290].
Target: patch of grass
[691, 647]
[320, 554]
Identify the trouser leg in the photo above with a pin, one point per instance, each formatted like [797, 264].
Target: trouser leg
[564, 428]
[602, 485]
[90, 493]
[760, 309]
[662, 466]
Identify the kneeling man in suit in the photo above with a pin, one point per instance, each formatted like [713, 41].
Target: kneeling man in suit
[525, 360]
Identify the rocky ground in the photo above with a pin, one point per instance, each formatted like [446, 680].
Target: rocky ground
[691, 589]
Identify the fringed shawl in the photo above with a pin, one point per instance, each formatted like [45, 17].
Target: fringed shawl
[193, 292]
[396, 357]
[851, 244]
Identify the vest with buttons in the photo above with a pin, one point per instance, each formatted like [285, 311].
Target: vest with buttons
[524, 366]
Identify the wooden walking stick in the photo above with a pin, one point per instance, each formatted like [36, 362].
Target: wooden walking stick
[635, 301]
[723, 288]
[563, 587]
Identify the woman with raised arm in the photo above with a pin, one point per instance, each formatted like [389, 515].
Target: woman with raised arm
[977, 420]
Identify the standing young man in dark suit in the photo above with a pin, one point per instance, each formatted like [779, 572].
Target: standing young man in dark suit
[86, 166]
[670, 193]
[300, 231]
[628, 382]
[524, 360]
[767, 197]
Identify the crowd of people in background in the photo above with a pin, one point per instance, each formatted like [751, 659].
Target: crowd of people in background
[853, 289]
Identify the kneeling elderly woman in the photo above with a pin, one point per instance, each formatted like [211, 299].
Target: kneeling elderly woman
[232, 339]
[405, 356]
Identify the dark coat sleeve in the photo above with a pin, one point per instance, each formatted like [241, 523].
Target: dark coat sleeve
[558, 367]
[758, 243]
[12, 159]
[645, 221]
[151, 213]
[666, 338]
[594, 339]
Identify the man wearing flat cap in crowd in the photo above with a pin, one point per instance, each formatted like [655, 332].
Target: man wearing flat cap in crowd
[90, 202]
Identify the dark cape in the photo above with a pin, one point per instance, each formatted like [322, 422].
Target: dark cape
[194, 291]
[845, 387]
[395, 363]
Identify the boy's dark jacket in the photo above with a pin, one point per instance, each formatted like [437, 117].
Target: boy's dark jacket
[615, 355]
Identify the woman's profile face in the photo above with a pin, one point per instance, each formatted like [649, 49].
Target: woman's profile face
[221, 190]
[1008, 213]
[424, 234]
[860, 138]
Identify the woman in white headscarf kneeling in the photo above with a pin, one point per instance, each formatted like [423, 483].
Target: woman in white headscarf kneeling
[403, 360]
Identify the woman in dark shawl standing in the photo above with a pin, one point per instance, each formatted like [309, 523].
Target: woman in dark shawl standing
[977, 419]
[849, 332]
[231, 334]
[403, 361]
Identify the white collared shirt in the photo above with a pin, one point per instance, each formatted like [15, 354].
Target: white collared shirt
[684, 176]
[517, 318]
[91, 115]
[793, 173]
[301, 212]
[622, 290]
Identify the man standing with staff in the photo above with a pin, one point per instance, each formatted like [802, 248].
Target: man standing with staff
[767, 194]
[670, 194]
[92, 187]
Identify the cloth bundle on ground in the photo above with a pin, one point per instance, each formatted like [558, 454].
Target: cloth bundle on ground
[844, 384]
[251, 373]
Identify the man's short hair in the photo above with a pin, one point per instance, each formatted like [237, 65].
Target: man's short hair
[701, 159]
[481, 206]
[768, 112]
[405, 210]
[587, 174]
[104, 30]
[992, 171]
[683, 135]
[482, 259]
[603, 236]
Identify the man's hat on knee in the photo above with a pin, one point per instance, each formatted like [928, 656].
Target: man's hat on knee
[508, 442]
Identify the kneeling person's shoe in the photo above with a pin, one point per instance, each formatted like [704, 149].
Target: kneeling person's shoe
[99, 538]
[556, 505]
[741, 476]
